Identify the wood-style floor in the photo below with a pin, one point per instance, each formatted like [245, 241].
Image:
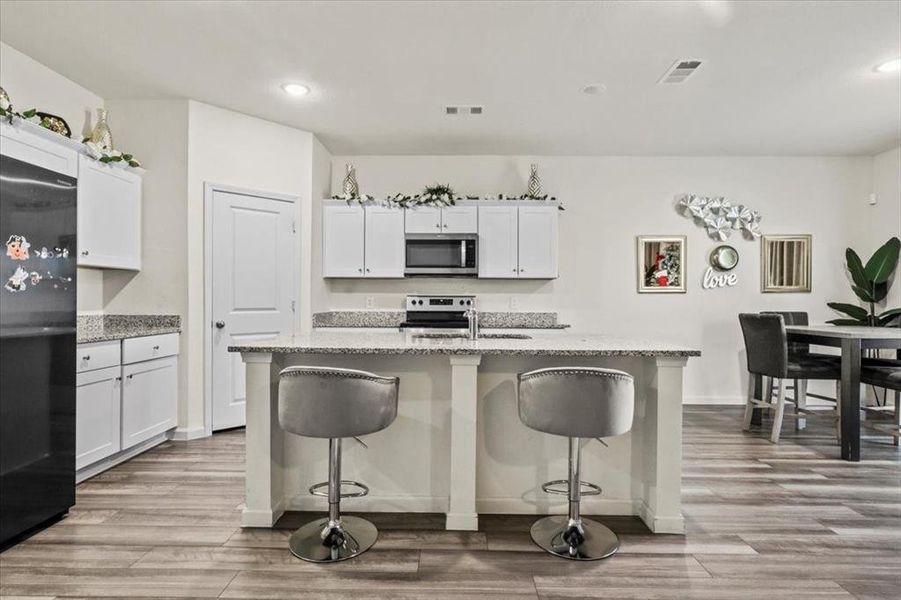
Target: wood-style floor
[764, 521]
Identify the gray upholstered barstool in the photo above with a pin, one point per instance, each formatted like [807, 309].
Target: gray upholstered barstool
[333, 403]
[576, 402]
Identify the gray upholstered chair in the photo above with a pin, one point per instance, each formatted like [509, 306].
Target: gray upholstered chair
[579, 403]
[766, 346]
[884, 373]
[334, 403]
[799, 352]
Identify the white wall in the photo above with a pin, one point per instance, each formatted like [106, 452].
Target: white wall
[609, 201]
[879, 222]
[233, 149]
[32, 85]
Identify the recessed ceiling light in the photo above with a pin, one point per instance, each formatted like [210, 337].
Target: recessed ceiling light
[295, 89]
[594, 89]
[892, 66]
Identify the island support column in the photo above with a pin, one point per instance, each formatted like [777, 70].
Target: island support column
[461, 514]
[264, 495]
[662, 507]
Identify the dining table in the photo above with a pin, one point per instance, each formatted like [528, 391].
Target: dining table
[853, 342]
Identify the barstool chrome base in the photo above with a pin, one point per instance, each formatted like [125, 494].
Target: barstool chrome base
[590, 541]
[318, 542]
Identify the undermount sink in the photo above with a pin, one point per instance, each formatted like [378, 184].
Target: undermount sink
[463, 336]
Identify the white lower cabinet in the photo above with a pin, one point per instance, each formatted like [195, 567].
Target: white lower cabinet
[149, 399]
[97, 414]
[123, 402]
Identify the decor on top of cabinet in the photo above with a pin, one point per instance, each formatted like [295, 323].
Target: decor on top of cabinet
[101, 136]
[534, 188]
[661, 264]
[785, 263]
[440, 194]
[870, 284]
[350, 188]
[720, 217]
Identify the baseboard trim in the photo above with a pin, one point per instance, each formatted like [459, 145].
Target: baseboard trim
[185, 435]
[262, 518]
[660, 524]
[109, 462]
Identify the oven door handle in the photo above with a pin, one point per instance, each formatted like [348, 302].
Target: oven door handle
[462, 253]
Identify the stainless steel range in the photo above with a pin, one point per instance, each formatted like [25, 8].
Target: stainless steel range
[437, 312]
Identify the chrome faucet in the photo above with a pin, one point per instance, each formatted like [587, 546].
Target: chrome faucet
[472, 317]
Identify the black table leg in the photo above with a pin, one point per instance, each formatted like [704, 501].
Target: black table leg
[850, 399]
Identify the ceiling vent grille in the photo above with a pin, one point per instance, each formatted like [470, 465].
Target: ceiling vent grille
[680, 71]
[463, 110]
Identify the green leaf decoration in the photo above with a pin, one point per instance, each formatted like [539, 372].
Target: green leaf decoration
[30, 113]
[855, 267]
[880, 291]
[883, 262]
[105, 159]
[127, 157]
[852, 310]
[887, 321]
[863, 293]
[847, 322]
[893, 312]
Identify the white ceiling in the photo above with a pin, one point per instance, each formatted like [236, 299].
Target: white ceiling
[779, 78]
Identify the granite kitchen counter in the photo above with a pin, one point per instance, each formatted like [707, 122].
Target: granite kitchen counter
[393, 319]
[103, 328]
[393, 343]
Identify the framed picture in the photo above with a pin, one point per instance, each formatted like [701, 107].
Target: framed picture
[785, 263]
[661, 264]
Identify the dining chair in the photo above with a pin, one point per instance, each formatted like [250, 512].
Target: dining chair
[884, 373]
[767, 350]
[801, 351]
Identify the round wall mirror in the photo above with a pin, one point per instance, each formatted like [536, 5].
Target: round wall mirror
[724, 258]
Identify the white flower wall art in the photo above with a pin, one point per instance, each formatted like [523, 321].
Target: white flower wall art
[720, 217]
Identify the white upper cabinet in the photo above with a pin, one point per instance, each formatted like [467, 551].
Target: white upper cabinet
[498, 242]
[109, 216]
[450, 219]
[538, 242]
[423, 219]
[342, 240]
[385, 252]
[38, 146]
[460, 219]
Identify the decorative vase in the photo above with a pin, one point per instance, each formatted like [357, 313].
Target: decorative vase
[534, 183]
[350, 187]
[101, 134]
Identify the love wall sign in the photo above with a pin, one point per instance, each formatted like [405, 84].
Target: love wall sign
[723, 258]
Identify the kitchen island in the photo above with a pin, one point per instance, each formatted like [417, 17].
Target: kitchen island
[457, 445]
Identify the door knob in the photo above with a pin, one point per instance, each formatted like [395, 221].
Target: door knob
[220, 324]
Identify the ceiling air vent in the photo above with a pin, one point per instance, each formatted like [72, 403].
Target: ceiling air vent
[680, 71]
[463, 110]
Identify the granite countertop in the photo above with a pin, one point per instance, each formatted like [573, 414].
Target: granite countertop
[393, 319]
[544, 343]
[103, 328]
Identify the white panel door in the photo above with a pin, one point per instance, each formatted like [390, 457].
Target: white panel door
[460, 219]
[423, 219]
[538, 242]
[98, 399]
[342, 240]
[109, 216]
[385, 248]
[253, 289]
[498, 242]
[149, 399]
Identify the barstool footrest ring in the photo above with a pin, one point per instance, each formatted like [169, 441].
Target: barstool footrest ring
[588, 489]
[321, 489]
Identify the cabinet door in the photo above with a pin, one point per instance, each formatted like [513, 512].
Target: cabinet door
[498, 240]
[149, 399]
[109, 216]
[423, 219]
[460, 219]
[538, 242]
[385, 255]
[342, 241]
[97, 413]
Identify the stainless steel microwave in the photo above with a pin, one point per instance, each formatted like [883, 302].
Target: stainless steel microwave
[442, 254]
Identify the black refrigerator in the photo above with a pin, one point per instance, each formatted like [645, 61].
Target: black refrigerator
[37, 347]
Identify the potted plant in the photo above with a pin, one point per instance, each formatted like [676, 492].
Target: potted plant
[870, 283]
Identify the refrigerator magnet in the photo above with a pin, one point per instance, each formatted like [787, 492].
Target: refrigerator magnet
[16, 283]
[17, 247]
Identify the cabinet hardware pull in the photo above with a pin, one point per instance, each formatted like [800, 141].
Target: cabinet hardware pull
[156, 347]
[84, 252]
[220, 324]
[368, 271]
[88, 357]
[130, 376]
